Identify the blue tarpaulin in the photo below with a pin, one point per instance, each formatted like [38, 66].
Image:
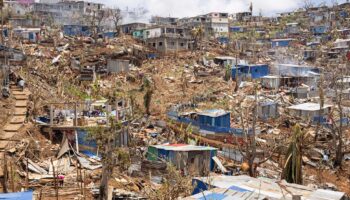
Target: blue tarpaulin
[17, 196]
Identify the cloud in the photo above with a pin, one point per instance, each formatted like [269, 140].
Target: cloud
[187, 8]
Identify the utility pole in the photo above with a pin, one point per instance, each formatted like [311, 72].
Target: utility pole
[2, 20]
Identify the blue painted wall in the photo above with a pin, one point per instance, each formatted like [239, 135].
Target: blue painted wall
[283, 43]
[255, 72]
[236, 29]
[221, 121]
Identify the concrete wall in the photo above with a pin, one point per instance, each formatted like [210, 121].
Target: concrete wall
[163, 44]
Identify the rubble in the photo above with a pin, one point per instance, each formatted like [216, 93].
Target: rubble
[138, 111]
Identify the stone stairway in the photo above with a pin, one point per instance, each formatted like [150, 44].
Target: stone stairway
[17, 120]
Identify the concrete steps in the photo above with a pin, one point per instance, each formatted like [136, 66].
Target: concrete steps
[10, 130]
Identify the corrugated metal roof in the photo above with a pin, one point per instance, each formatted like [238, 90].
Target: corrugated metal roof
[309, 107]
[325, 195]
[269, 188]
[213, 113]
[183, 147]
[225, 194]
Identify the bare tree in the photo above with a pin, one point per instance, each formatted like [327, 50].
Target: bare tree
[337, 128]
[105, 137]
[307, 4]
[249, 150]
[335, 3]
[116, 16]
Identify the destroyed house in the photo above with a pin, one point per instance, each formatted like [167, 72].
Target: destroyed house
[223, 61]
[188, 158]
[117, 65]
[281, 42]
[78, 30]
[11, 54]
[253, 71]
[246, 187]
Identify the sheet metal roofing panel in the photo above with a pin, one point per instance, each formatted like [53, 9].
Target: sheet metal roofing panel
[326, 195]
[184, 147]
[269, 188]
[308, 107]
[225, 194]
[213, 113]
[28, 195]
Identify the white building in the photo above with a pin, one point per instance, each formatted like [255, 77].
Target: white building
[214, 24]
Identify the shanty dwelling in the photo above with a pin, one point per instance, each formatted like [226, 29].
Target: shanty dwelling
[249, 188]
[344, 33]
[270, 82]
[341, 45]
[319, 30]
[117, 65]
[309, 110]
[215, 120]
[268, 109]
[225, 60]
[194, 160]
[301, 92]
[298, 74]
[237, 29]
[292, 28]
[253, 71]
[30, 34]
[309, 55]
[281, 42]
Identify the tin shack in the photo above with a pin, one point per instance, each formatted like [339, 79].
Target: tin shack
[188, 158]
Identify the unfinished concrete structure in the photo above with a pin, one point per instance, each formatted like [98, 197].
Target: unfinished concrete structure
[66, 12]
[166, 39]
[214, 24]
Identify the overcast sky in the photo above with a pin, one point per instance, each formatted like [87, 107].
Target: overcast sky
[185, 8]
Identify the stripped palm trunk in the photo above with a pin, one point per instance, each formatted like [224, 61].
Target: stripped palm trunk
[292, 171]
